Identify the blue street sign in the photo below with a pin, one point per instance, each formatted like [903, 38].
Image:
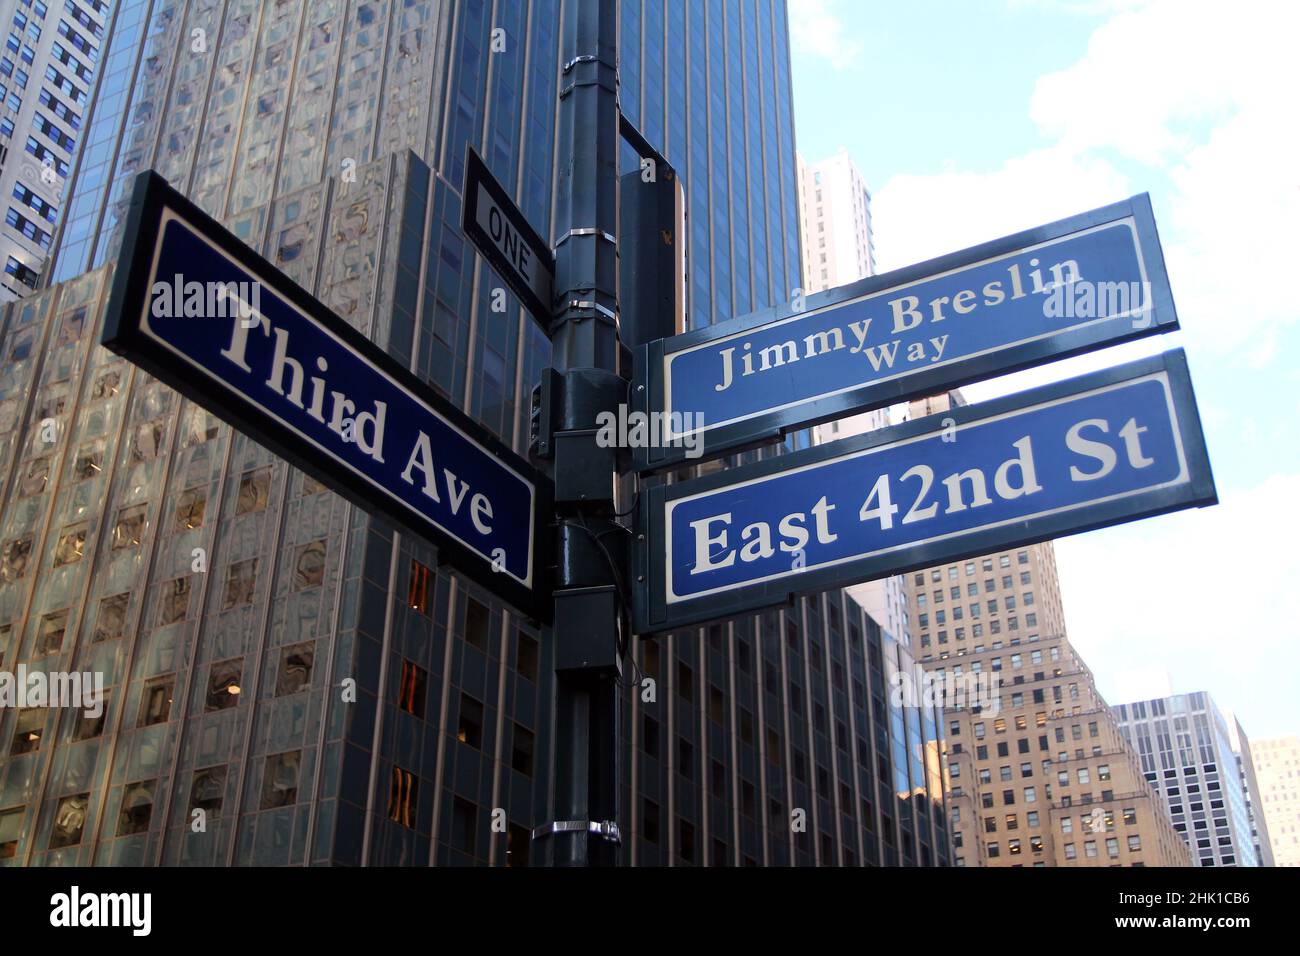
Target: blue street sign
[208, 316]
[1064, 288]
[1096, 450]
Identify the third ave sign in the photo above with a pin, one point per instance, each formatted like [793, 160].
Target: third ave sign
[1091, 451]
[1080, 284]
[210, 317]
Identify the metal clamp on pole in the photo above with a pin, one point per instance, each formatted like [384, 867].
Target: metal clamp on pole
[587, 231]
[605, 829]
[594, 307]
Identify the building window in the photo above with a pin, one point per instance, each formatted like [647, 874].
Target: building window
[254, 491]
[110, 624]
[412, 689]
[49, 633]
[90, 726]
[190, 509]
[128, 531]
[526, 650]
[241, 581]
[518, 844]
[28, 731]
[309, 567]
[137, 808]
[69, 819]
[11, 831]
[156, 701]
[72, 545]
[470, 728]
[464, 826]
[295, 668]
[32, 481]
[280, 784]
[521, 751]
[106, 386]
[420, 587]
[476, 624]
[198, 426]
[402, 802]
[175, 601]
[224, 685]
[147, 442]
[207, 792]
[649, 820]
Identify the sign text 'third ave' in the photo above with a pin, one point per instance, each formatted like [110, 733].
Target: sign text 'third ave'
[288, 372]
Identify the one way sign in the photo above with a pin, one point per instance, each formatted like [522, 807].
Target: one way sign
[504, 236]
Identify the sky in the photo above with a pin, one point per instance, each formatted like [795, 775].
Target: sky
[972, 119]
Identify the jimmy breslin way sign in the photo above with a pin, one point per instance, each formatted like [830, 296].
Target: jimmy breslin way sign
[1096, 450]
[1082, 283]
[207, 315]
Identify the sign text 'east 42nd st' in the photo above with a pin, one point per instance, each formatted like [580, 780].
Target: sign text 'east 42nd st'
[1096, 450]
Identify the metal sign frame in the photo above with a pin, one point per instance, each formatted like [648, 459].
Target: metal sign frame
[654, 613]
[479, 178]
[152, 200]
[652, 387]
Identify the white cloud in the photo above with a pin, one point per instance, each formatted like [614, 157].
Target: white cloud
[1194, 103]
[1202, 596]
[919, 217]
[1205, 99]
[816, 28]
[1177, 98]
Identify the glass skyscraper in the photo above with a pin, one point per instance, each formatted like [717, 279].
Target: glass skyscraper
[291, 681]
[1185, 745]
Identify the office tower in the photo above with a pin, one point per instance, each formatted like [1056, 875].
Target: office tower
[233, 604]
[835, 216]
[1039, 773]
[1259, 836]
[47, 71]
[1276, 762]
[1185, 749]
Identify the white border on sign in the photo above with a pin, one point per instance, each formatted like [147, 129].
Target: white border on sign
[170, 215]
[668, 360]
[1182, 477]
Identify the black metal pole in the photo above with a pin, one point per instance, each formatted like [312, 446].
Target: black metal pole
[589, 629]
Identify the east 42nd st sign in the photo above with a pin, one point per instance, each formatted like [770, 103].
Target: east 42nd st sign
[1096, 450]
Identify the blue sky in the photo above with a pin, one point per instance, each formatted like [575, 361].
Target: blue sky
[970, 120]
